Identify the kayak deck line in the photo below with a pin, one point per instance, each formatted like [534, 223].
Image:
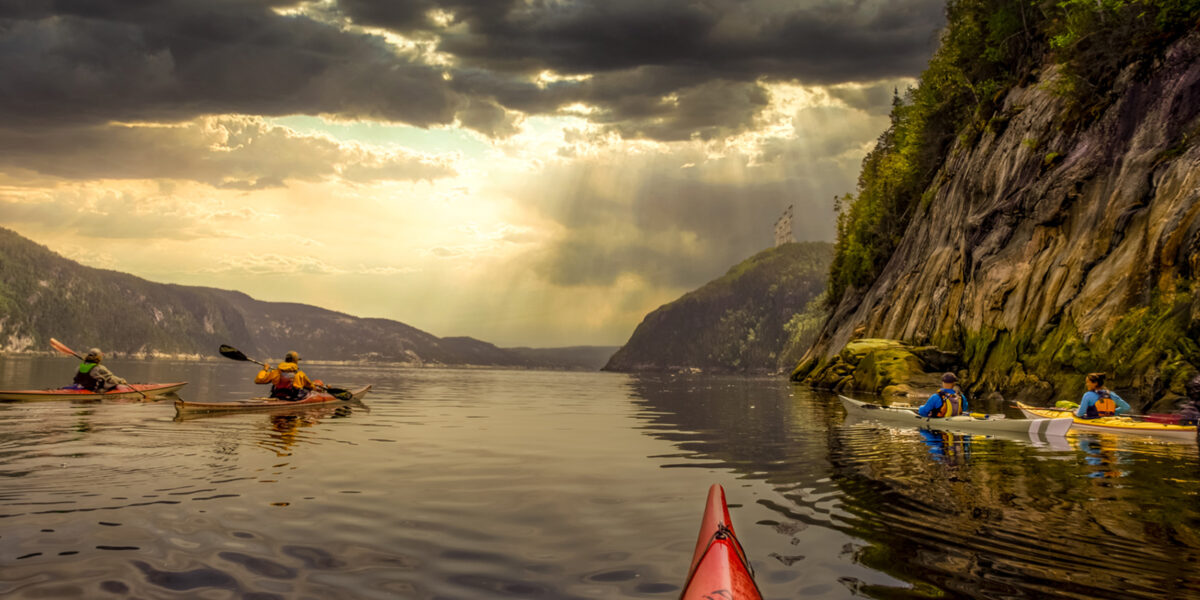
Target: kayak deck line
[720, 568]
[1036, 427]
[313, 399]
[133, 390]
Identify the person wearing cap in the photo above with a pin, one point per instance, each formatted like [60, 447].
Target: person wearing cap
[95, 377]
[947, 402]
[287, 381]
[1099, 401]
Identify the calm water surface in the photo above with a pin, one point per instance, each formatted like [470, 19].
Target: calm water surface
[509, 484]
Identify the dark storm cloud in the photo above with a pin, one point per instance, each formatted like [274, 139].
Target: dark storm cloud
[92, 62]
[666, 70]
[820, 41]
[710, 57]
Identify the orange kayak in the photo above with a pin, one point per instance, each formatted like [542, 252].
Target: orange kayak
[149, 390]
[720, 569]
[183, 406]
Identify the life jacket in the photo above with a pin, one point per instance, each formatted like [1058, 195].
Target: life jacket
[284, 387]
[1104, 406]
[951, 404]
[84, 379]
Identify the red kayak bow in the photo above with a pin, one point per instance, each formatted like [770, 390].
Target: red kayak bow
[720, 569]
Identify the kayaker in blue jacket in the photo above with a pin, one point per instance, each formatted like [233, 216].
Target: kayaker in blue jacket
[1098, 401]
[947, 402]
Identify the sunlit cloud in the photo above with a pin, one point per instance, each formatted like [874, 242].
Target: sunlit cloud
[529, 173]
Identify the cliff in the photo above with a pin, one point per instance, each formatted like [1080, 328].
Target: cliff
[44, 295]
[1050, 244]
[752, 319]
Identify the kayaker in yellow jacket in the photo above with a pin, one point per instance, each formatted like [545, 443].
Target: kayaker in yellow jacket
[287, 381]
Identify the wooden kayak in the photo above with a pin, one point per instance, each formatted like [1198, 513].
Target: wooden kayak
[150, 390]
[720, 569]
[313, 398]
[1034, 426]
[1112, 424]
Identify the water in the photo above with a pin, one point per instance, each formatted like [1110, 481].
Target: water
[510, 484]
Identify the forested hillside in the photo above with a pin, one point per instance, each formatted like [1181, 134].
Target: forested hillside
[44, 295]
[752, 319]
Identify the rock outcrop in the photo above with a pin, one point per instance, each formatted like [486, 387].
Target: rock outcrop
[749, 320]
[1043, 253]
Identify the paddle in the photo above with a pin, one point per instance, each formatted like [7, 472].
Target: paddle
[233, 353]
[61, 347]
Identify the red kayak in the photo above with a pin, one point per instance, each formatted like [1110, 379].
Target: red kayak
[150, 390]
[720, 569]
[267, 403]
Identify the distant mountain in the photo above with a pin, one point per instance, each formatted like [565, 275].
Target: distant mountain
[44, 295]
[758, 317]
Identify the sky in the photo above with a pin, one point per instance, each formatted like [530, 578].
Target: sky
[526, 172]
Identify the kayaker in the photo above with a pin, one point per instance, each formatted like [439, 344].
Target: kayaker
[287, 381]
[95, 377]
[1099, 401]
[947, 402]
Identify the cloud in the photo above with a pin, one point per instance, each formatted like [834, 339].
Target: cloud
[240, 153]
[86, 63]
[274, 264]
[667, 70]
[130, 213]
[820, 41]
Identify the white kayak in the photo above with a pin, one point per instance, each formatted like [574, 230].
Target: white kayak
[981, 424]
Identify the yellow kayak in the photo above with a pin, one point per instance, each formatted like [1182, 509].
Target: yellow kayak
[1111, 424]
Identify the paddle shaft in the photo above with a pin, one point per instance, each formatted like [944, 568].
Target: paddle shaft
[61, 347]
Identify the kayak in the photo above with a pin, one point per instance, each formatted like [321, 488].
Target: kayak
[982, 424]
[312, 398]
[719, 568]
[150, 390]
[1111, 424]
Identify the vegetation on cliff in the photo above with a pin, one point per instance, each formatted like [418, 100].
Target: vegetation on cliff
[988, 47]
[1032, 205]
[758, 317]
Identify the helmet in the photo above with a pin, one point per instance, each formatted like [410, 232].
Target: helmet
[292, 356]
[94, 355]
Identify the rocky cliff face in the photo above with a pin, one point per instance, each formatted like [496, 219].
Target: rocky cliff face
[44, 295]
[1042, 254]
[746, 321]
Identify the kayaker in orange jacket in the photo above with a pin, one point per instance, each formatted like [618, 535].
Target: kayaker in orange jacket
[287, 381]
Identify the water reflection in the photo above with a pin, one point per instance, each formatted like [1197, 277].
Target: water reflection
[1092, 516]
[281, 429]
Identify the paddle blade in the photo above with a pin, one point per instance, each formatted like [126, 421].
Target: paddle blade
[234, 353]
[61, 347]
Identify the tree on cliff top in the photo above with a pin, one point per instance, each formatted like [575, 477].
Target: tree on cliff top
[988, 47]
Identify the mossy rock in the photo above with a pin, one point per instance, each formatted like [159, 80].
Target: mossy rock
[1033, 391]
[856, 350]
[936, 359]
[805, 369]
[1168, 403]
[886, 366]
